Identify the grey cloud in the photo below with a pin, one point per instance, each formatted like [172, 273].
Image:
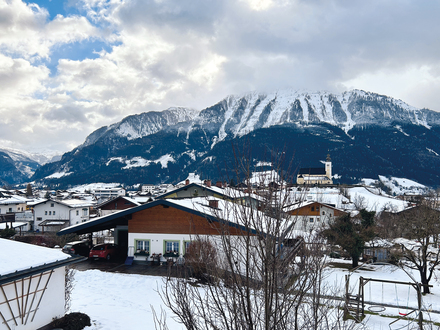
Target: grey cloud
[196, 15]
[67, 113]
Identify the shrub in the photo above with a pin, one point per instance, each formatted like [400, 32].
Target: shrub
[72, 321]
[7, 232]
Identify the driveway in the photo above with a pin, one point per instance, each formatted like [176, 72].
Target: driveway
[118, 266]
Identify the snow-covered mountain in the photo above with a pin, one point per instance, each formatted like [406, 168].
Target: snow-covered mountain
[17, 166]
[366, 134]
[237, 115]
[141, 125]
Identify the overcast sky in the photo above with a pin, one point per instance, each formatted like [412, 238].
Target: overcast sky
[69, 67]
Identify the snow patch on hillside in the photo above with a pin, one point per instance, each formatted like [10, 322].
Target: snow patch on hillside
[94, 186]
[142, 162]
[400, 186]
[432, 151]
[58, 175]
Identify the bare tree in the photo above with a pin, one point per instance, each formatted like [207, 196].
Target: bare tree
[421, 225]
[264, 275]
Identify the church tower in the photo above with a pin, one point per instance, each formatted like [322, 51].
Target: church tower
[328, 167]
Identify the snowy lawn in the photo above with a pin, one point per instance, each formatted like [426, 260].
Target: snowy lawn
[118, 301]
[124, 301]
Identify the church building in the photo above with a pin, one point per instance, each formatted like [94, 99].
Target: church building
[316, 175]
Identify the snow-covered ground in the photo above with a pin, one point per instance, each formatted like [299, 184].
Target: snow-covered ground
[123, 301]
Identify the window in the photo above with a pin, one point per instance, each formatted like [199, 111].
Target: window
[143, 245]
[172, 246]
[323, 212]
[318, 219]
[317, 208]
[50, 212]
[52, 204]
[85, 212]
[313, 208]
[53, 212]
[45, 212]
[311, 220]
[186, 245]
[77, 212]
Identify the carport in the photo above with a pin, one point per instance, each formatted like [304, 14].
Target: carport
[118, 221]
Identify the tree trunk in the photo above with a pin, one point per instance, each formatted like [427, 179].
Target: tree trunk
[355, 261]
[425, 282]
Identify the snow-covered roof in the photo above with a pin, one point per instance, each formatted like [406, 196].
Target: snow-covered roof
[302, 204]
[226, 211]
[15, 224]
[66, 202]
[131, 200]
[76, 203]
[19, 256]
[13, 200]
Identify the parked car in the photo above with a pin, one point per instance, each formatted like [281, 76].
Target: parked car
[105, 251]
[78, 247]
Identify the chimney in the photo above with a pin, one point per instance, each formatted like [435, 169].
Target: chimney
[208, 183]
[219, 184]
[213, 203]
[186, 182]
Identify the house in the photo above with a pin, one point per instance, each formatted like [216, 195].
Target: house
[193, 190]
[116, 204]
[52, 215]
[32, 281]
[166, 227]
[309, 215]
[13, 208]
[316, 175]
[148, 188]
[108, 193]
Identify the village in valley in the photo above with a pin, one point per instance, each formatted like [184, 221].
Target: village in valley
[347, 256]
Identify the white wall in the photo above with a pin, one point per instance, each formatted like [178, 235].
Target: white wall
[157, 242]
[12, 207]
[46, 210]
[303, 222]
[51, 305]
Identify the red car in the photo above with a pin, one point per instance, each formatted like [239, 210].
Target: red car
[105, 251]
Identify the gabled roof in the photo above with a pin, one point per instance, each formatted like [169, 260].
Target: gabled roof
[225, 193]
[312, 171]
[67, 202]
[13, 199]
[131, 200]
[212, 189]
[300, 205]
[196, 206]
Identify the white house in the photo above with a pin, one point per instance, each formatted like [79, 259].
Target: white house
[148, 188]
[13, 208]
[52, 215]
[310, 215]
[13, 204]
[107, 193]
[32, 280]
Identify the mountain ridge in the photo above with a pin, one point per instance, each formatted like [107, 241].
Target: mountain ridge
[163, 146]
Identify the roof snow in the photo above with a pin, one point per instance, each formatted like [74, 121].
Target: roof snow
[21, 256]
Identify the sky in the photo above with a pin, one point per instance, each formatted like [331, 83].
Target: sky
[68, 67]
